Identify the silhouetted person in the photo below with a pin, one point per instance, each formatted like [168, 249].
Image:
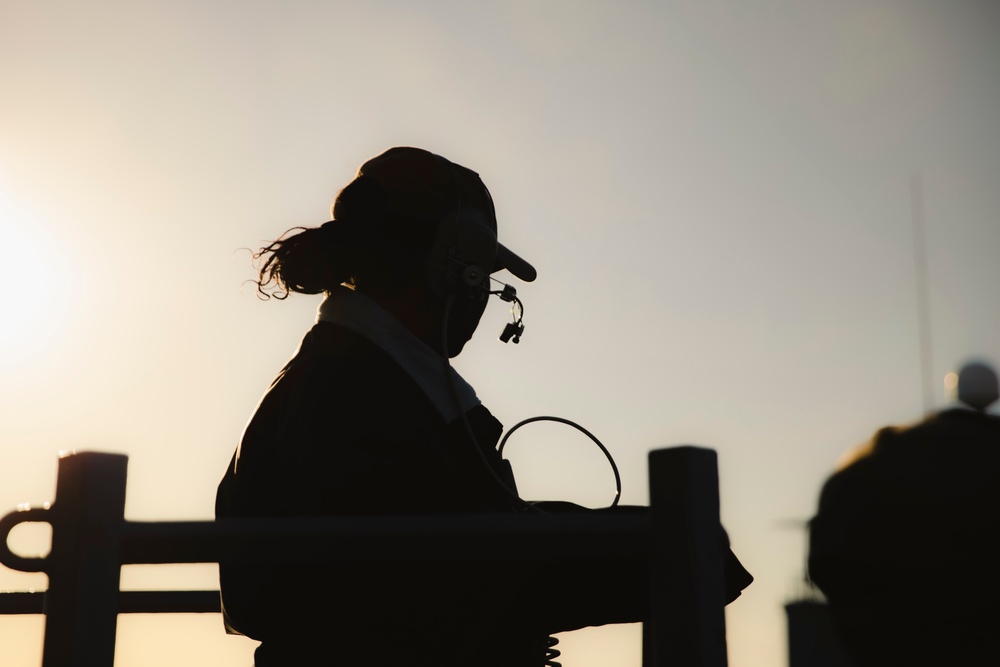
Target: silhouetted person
[365, 420]
[906, 542]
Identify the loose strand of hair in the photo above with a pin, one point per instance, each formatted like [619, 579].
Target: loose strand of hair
[270, 271]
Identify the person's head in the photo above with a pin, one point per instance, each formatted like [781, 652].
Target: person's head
[411, 227]
[976, 385]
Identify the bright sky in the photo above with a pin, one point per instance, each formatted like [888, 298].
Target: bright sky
[716, 196]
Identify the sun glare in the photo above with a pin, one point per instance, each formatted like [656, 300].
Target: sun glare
[36, 295]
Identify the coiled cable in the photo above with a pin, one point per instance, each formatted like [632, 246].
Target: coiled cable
[551, 653]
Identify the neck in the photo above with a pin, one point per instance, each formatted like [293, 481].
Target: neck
[414, 309]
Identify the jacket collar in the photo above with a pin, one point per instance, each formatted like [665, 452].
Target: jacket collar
[362, 315]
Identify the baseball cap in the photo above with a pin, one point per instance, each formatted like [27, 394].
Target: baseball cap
[406, 183]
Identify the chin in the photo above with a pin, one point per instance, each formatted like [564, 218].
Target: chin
[456, 349]
[461, 327]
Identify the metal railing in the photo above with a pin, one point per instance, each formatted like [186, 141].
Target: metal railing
[91, 540]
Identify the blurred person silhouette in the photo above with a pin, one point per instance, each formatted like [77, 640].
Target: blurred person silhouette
[365, 420]
[906, 538]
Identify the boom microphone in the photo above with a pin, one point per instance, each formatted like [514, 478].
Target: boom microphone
[515, 329]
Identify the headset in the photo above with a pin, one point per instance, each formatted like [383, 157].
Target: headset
[461, 256]
[457, 268]
[464, 251]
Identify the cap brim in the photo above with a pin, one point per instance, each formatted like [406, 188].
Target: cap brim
[507, 259]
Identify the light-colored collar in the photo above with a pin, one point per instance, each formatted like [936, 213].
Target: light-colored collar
[364, 316]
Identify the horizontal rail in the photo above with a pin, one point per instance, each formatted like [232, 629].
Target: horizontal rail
[561, 537]
[129, 602]
[541, 537]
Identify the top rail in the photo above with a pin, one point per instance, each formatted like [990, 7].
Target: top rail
[553, 537]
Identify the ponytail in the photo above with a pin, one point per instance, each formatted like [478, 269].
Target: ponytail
[312, 260]
[303, 260]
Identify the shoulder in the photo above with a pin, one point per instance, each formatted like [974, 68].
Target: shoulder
[947, 456]
[337, 379]
[332, 357]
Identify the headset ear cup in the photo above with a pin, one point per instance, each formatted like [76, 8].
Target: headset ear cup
[462, 256]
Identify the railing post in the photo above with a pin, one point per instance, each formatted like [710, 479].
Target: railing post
[81, 603]
[687, 622]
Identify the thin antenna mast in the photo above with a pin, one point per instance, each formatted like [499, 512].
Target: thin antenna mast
[923, 303]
